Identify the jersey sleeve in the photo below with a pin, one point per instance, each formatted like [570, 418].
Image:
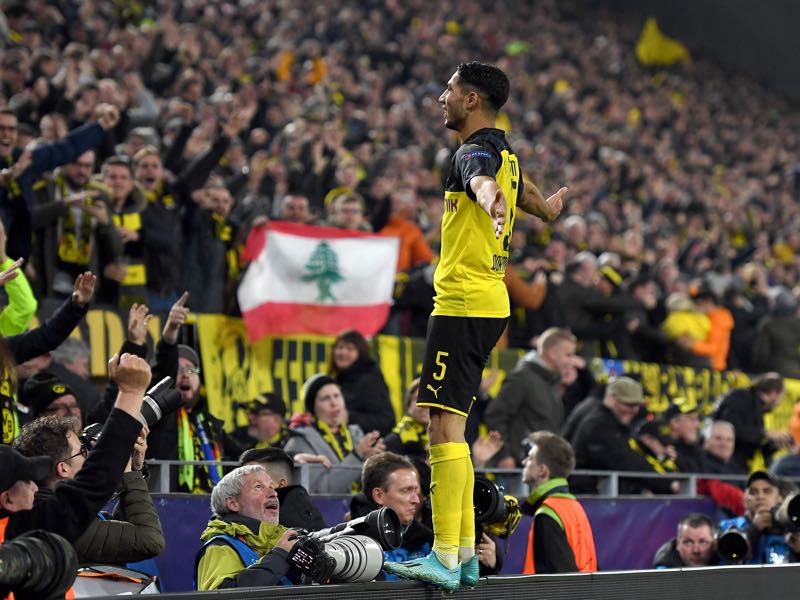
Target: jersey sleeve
[473, 160]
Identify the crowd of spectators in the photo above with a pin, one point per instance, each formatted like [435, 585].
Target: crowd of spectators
[682, 180]
[143, 141]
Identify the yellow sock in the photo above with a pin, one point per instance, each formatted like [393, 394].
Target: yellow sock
[466, 542]
[448, 477]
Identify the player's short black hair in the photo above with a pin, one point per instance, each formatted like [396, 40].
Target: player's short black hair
[491, 82]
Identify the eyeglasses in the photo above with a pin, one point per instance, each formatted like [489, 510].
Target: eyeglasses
[189, 370]
[84, 452]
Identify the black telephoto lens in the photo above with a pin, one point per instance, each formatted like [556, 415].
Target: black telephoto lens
[37, 565]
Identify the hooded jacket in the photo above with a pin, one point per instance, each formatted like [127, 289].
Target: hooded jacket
[528, 401]
[218, 565]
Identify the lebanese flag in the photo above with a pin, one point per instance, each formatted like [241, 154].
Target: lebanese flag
[305, 279]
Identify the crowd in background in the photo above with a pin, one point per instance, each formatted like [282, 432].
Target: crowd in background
[678, 242]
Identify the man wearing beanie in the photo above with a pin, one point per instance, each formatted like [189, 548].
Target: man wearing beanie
[192, 433]
[46, 394]
[329, 440]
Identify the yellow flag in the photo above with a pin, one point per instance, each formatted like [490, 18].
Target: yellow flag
[655, 48]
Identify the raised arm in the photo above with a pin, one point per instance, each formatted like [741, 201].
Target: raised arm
[533, 203]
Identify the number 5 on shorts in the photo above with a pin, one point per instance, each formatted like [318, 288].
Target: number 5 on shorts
[440, 356]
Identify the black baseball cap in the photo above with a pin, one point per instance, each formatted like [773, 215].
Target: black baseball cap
[756, 475]
[267, 401]
[18, 467]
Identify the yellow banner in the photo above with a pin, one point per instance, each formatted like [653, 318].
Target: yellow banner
[235, 371]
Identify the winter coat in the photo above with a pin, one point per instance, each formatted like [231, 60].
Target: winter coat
[743, 408]
[366, 396]
[297, 509]
[327, 481]
[601, 442]
[132, 533]
[776, 346]
[528, 401]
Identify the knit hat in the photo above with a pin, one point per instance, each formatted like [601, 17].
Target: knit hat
[188, 353]
[312, 387]
[41, 389]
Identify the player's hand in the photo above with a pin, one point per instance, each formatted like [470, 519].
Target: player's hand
[553, 205]
[497, 211]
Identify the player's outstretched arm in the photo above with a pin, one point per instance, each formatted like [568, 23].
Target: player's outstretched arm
[533, 203]
[492, 200]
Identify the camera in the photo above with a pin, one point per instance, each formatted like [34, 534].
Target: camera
[37, 564]
[495, 513]
[90, 434]
[788, 513]
[159, 401]
[733, 545]
[348, 552]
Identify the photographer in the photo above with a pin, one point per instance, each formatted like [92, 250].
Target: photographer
[74, 503]
[694, 545]
[134, 532]
[297, 509]
[388, 479]
[243, 544]
[765, 536]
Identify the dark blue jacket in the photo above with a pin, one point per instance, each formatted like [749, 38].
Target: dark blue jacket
[16, 200]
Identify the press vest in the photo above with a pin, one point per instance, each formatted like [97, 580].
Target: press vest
[568, 513]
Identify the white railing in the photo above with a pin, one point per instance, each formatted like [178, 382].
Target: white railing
[510, 479]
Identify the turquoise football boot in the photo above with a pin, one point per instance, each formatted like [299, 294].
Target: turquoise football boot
[429, 570]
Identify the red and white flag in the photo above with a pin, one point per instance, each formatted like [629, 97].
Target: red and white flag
[305, 279]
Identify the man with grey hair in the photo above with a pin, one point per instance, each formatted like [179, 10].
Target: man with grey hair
[244, 546]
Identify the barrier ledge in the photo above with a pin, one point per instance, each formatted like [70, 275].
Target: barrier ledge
[776, 582]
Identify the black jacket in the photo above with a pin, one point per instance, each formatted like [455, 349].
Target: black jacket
[74, 504]
[163, 443]
[34, 343]
[691, 457]
[297, 510]
[163, 218]
[601, 442]
[366, 396]
[744, 410]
